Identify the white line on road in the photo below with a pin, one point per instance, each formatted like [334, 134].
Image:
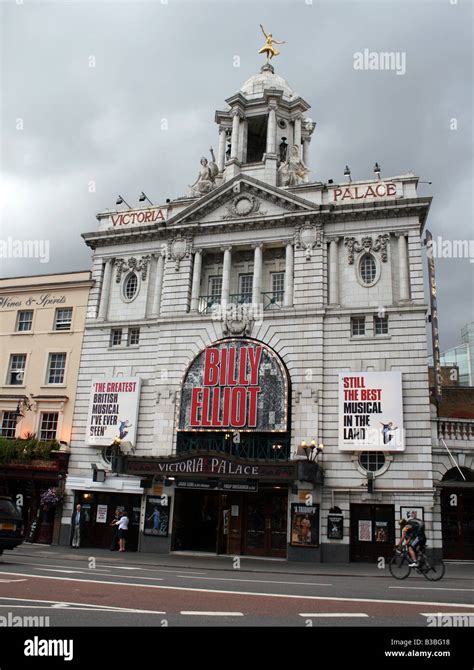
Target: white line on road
[191, 613]
[70, 605]
[104, 565]
[253, 581]
[428, 588]
[68, 572]
[324, 615]
[9, 581]
[247, 593]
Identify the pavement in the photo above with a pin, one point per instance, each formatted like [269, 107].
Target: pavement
[454, 569]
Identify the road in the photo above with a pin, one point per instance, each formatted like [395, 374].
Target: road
[73, 590]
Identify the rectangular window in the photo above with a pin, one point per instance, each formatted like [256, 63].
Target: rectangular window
[115, 337]
[381, 325]
[215, 288]
[133, 336]
[24, 321]
[8, 424]
[48, 426]
[63, 318]
[246, 287]
[56, 368]
[278, 286]
[358, 325]
[16, 370]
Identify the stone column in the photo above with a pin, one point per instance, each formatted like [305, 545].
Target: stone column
[257, 274]
[297, 134]
[403, 267]
[221, 150]
[196, 286]
[306, 141]
[289, 271]
[105, 292]
[160, 266]
[333, 272]
[271, 130]
[226, 276]
[234, 149]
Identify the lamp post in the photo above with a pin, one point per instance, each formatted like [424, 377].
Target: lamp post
[312, 450]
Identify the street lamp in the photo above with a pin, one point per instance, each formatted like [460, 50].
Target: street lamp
[312, 450]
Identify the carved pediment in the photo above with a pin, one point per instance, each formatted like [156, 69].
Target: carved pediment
[241, 199]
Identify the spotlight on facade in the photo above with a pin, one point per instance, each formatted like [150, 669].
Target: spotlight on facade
[121, 201]
[347, 172]
[377, 170]
[144, 197]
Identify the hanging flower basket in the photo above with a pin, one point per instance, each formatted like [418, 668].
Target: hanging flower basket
[49, 499]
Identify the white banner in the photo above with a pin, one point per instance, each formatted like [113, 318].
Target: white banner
[113, 411]
[371, 411]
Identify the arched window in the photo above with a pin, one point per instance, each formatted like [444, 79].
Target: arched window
[130, 286]
[368, 269]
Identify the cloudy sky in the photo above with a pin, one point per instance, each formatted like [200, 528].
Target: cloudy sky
[102, 98]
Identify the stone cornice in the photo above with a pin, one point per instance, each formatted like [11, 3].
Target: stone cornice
[323, 214]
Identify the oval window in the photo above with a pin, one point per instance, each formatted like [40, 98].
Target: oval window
[368, 269]
[372, 461]
[130, 286]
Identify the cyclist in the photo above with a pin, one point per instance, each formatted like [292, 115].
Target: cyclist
[413, 534]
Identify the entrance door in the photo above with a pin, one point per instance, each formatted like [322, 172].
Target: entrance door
[265, 523]
[195, 521]
[457, 518]
[372, 532]
[99, 534]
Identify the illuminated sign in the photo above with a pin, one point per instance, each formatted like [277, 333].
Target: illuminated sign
[235, 385]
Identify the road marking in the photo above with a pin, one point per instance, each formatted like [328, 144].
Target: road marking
[70, 605]
[253, 581]
[117, 567]
[9, 581]
[192, 613]
[324, 615]
[248, 593]
[68, 572]
[427, 588]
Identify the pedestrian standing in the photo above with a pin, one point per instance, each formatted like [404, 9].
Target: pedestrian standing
[77, 525]
[122, 524]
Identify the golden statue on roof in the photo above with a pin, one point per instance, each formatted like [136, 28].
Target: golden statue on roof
[268, 47]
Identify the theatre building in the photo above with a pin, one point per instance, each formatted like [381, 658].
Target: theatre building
[254, 376]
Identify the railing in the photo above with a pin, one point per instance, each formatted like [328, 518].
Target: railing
[272, 300]
[251, 446]
[456, 429]
[208, 303]
[240, 298]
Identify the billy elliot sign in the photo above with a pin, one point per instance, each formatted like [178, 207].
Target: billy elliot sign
[371, 411]
[235, 385]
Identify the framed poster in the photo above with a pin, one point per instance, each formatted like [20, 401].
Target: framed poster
[381, 531]
[412, 513]
[365, 530]
[101, 514]
[157, 516]
[304, 525]
[335, 527]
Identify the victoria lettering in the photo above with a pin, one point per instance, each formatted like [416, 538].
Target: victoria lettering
[127, 218]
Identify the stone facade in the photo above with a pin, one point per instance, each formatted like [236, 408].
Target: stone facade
[316, 235]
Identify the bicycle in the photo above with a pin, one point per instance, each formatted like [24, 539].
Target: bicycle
[430, 567]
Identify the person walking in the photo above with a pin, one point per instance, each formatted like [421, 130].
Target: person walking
[77, 526]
